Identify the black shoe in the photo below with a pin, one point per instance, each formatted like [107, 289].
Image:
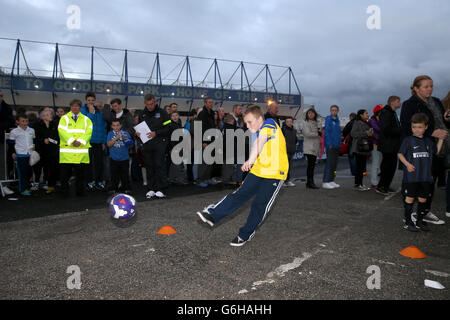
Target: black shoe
[410, 226]
[382, 191]
[237, 242]
[206, 217]
[422, 225]
[311, 185]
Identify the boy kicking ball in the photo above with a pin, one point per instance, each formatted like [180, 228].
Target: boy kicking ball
[268, 165]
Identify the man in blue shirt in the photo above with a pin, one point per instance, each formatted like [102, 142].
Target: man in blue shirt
[332, 145]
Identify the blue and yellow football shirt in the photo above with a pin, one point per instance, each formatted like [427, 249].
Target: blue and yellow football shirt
[272, 161]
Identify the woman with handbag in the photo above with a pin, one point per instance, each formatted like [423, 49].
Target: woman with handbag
[362, 146]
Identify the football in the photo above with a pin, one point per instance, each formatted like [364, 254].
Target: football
[123, 209]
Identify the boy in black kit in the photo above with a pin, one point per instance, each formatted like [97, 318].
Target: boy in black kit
[416, 154]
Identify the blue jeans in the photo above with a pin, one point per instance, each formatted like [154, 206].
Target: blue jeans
[24, 171]
[265, 190]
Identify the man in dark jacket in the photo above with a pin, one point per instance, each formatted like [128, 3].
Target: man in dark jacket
[290, 135]
[6, 122]
[206, 117]
[272, 112]
[154, 150]
[389, 143]
[115, 111]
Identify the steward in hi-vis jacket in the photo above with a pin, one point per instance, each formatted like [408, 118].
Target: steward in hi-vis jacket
[75, 131]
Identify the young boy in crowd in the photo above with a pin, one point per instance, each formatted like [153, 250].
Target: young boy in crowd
[416, 154]
[23, 139]
[118, 142]
[268, 165]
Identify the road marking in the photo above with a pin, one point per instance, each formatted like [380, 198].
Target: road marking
[389, 197]
[438, 273]
[280, 271]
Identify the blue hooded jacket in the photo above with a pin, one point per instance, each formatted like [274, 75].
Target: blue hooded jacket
[99, 130]
[332, 132]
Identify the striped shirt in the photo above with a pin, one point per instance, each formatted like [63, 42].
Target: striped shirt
[419, 152]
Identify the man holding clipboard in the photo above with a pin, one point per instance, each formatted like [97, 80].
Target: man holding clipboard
[154, 133]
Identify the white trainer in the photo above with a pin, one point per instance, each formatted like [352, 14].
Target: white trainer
[159, 194]
[334, 184]
[327, 185]
[150, 194]
[7, 191]
[429, 217]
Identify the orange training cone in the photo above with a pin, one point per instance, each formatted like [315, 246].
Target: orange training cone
[167, 230]
[412, 252]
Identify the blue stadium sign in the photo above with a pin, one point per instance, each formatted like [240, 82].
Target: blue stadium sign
[43, 84]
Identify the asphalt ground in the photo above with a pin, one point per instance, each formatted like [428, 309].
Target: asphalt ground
[314, 245]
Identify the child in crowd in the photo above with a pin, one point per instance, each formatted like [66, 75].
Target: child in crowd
[268, 165]
[23, 138]
[118, 142]
[416, 153]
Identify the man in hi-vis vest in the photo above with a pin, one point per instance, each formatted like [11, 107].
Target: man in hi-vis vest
[75, 131]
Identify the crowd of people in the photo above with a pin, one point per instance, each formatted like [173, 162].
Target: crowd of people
[97, 146]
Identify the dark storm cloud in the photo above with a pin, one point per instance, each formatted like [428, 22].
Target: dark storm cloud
[335, 57]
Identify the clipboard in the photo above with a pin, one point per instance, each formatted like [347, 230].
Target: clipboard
[143, 129]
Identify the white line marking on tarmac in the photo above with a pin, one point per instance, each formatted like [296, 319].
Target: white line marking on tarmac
[280, 271]
[438, 273]
[389, 197]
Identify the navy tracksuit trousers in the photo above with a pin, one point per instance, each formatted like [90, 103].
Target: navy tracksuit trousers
[265, 190]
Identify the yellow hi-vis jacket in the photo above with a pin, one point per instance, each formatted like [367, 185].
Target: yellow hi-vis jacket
[70, 131]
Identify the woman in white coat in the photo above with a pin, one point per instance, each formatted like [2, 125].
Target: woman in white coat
[311, 145]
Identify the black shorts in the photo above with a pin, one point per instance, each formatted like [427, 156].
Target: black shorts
[417, 190]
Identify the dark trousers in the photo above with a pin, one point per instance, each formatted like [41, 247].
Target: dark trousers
[361, 160]
[352, 164]
[265, 190]
[96, 166]
[310, 168]
[50, 166]
[25, 172]
[291, 165]
[66, 172]
[387, 169]
[436, 170]
[155, 163]
[447, 189]
[119, 173]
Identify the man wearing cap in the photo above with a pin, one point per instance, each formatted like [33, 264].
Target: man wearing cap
[389, 143]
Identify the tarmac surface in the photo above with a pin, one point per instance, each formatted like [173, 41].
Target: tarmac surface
[315, 244]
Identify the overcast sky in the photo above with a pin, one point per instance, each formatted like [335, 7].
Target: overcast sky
[335, 57]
